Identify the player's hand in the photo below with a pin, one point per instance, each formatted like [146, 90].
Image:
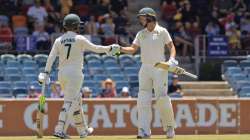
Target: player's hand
[43, 77]
[172, 62]
[115, 50]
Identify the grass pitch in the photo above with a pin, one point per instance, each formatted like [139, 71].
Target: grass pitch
[130, 137]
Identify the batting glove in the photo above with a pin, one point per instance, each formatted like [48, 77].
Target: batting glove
[173, 66]
[114, 50]
[43, 77]
[172, 62]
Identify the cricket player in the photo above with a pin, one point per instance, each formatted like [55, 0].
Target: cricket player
[70, 48]
[152, 41]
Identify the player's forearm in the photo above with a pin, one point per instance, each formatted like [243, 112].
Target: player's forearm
[172, 49]
[99, 48]
[103, 49]
[50, 62]
[129, 50]
[172, 52]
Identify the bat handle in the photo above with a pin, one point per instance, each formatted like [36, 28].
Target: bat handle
[191, 75]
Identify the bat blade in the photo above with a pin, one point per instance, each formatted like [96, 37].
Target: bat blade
[39, 124]
[191, 75]
[165, 66]
[162, 65]
[40, 113]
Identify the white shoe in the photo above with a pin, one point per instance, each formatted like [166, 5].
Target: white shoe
[170, 132]
[87, 132]
[61, 135]
[143, 135]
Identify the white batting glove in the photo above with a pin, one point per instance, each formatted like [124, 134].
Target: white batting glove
[114, 50]
[173, 66]
[43, 77]
[172, 62]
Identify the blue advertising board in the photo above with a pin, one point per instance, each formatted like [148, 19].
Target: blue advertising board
[25, 43]
[217, 46]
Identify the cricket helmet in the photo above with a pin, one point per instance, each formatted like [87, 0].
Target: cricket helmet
[147, 11]
[72, 21]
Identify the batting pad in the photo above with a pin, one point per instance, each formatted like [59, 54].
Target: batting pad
[80, 119]
[164, 105]
[144, 112]
[62, 124]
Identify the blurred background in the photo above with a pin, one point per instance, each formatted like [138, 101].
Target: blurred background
[211, 37]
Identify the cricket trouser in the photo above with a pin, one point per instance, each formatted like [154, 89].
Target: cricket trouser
[153, 78]
[71, 83]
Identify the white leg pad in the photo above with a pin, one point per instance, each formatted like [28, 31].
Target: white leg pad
[63, 117]
[71, 111]
[79, 118]
[144, 112]
[164, 105]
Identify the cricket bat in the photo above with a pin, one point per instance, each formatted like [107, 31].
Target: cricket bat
[165, 66]
[40, 113]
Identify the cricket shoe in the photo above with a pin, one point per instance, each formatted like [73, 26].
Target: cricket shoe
[61, 135]
[143, 135]
[170, 132]
[87, 132]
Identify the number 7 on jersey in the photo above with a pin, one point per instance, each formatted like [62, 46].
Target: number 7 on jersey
[69, 48]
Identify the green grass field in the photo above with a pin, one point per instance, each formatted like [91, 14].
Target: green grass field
[157, 137]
